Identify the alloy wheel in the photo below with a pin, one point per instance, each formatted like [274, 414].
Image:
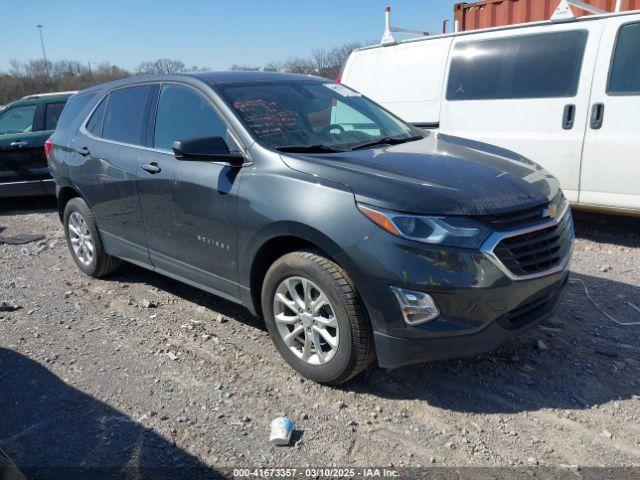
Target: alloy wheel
[306, 320]
[81, 238]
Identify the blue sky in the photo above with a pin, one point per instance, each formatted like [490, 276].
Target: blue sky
[210, 33]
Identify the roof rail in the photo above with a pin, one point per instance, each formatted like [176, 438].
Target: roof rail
[51, 94]
[564, 12]
[387, 37]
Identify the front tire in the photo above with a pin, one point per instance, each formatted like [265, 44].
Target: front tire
[315, 318]
[84, 240]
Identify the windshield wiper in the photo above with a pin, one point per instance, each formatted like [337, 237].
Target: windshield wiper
[386, 141]
[307, 149]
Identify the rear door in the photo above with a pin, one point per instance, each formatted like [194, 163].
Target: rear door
[526, 90]
[108, 150]
[611, 159]
[405, 78]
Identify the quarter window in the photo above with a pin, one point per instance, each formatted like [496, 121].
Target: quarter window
[17, 119]
[184, 114]
[125, 117]
[72, 109]
[533, 66]
[625, 69]
[94, 125]
[52, 114]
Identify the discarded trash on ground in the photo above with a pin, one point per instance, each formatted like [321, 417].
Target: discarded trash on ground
[576, 281]
[145, 303]
[21, 239]
[9, 306]
[281, 430]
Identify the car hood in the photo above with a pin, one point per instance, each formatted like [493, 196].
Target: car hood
[439, 175]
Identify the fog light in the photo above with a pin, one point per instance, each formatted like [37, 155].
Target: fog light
[417, 307]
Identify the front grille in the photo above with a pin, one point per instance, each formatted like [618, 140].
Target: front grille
[522, 218]
[517, 219]
[534, 252]
[527, 312]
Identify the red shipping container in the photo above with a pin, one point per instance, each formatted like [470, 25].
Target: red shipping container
[497, 13]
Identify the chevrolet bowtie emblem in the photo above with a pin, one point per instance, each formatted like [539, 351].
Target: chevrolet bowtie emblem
[549, 212]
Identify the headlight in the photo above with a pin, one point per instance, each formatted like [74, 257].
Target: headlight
[451, 231]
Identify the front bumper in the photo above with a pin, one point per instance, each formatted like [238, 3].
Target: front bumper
[395, 352]
[481, 305]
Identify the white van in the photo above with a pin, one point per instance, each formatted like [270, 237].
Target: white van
[564, 94]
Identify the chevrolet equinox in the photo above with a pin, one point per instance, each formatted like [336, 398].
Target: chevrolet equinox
[353, 234]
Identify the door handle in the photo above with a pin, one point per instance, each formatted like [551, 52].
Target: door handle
[84, 151]
[152, 167]
[19, 143]
[597, 115]
[568, 117]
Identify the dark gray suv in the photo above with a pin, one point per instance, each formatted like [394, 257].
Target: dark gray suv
[353, 234]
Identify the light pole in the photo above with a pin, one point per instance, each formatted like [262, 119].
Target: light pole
[44, 55]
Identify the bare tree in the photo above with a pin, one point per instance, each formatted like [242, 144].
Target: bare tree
[274, 67]
[248, 68]
[161, 66]
[24, 78]
[329, 62]
[322, 61]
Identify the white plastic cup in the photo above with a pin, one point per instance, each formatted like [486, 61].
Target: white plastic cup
[281, 430]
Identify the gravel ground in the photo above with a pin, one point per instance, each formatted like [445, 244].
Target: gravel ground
[141, 371]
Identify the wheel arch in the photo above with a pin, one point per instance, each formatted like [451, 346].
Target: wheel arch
[66, 193]
[281, 239]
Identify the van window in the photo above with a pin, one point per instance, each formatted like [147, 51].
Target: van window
[184, 114]
[125, 118]
[533, 66]
[52, 115]
[625, 69]
[94, 125]
[72, 109]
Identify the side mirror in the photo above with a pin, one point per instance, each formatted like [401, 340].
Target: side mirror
[207, 149]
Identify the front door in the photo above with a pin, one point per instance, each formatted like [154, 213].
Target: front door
[21, 149]
[189, 207]
[525, 90]
[611, 159]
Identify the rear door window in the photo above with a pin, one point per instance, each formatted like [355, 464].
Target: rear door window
[126, 113]
[17, 119]
[624, 78]
[184, 114]
[52, 114]
[531, 66]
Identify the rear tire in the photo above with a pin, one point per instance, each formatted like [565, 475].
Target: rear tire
[83, 240]
[321, 329]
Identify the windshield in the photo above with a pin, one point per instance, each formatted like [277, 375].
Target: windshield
[314, 116]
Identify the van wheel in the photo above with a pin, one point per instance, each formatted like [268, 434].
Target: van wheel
[84, 241]
[315, 318]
